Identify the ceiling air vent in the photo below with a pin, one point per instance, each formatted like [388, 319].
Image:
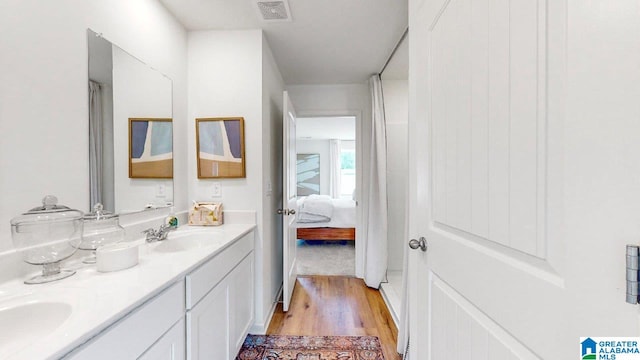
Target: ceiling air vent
[274, 10]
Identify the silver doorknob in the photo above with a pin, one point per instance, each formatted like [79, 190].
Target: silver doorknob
[280, 211]
[291, 212]
[418, 244]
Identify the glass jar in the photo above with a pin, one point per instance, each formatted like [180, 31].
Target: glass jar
[100, 228]
[46, 235]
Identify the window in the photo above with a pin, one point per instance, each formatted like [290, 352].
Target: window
[347, 173]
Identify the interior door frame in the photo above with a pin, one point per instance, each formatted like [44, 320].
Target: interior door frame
[362, 202]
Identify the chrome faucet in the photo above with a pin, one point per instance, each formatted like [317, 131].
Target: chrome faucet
[161, 234]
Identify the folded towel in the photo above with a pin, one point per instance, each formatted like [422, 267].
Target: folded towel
[316, 208]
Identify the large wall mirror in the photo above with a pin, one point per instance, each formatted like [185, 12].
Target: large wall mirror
[130, 130]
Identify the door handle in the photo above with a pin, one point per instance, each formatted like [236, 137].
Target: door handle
[418, 244]
[291, 212]
[280, 211]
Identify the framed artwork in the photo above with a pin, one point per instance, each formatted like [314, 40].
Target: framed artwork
[220, 147]
[150, 148]
[308, 174]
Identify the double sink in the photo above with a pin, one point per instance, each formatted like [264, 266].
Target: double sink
[28, 316]
[189, 239]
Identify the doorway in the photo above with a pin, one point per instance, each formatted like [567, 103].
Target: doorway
[395, 88]
[326, 175]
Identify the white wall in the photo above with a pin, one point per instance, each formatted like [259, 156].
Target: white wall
[320, 147]
[225, 80]
[595, 133]
[396, 107]
[343, 99]
[232, 73]
[313, 100]
[43, 93]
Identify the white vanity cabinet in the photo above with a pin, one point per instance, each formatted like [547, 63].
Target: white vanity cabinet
[154, 330]
[220, 303]
[171, 345]
[205, 315]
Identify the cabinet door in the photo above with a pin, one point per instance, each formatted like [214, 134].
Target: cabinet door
[208, 326]
[241, 317]
[138, 331]
[171, 346]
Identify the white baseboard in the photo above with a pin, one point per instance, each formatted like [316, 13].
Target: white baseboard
[260, 328]
[387, 302]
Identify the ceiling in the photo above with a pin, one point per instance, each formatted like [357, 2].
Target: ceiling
[327, 41]
[322, 128]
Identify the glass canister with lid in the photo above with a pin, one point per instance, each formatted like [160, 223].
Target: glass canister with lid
[46, 235]
[100, 228]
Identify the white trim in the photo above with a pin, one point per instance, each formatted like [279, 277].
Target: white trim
[261, 328]
[361, 245]
[387, 302]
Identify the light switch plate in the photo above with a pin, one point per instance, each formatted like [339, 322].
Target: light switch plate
[216, 190]
[160, 191]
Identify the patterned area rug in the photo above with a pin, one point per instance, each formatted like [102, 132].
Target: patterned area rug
[276, 347]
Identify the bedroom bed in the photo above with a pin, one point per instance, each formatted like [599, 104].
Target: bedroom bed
[337, 224]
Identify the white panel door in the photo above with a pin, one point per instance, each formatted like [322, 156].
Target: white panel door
[289, 236]
[497, 158]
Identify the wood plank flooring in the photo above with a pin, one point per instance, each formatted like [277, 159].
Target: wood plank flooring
[337, 305]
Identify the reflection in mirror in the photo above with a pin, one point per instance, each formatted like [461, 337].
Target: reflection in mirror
[122, 87]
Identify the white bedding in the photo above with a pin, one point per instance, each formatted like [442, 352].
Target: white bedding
[343, 216]
[315, 209]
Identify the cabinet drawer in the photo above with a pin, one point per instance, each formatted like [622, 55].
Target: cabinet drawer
[136, 332]
[204, 278]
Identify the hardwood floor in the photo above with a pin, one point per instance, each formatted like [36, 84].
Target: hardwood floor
[336, 305]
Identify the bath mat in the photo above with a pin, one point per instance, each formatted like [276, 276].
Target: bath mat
[277, 347]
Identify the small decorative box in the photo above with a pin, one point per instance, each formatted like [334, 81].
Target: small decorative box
[206, 213]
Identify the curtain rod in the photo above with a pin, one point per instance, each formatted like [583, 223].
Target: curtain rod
[404, 35]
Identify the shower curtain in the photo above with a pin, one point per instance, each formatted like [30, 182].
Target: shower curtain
[376, 246]
[95, 142]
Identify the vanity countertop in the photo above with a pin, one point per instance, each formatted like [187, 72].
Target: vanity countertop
[96, 300]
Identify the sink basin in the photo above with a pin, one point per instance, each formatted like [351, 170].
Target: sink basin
[193, 231]
[29, 322]
[188, 240]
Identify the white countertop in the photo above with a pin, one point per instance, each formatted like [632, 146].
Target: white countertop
[100, 299]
